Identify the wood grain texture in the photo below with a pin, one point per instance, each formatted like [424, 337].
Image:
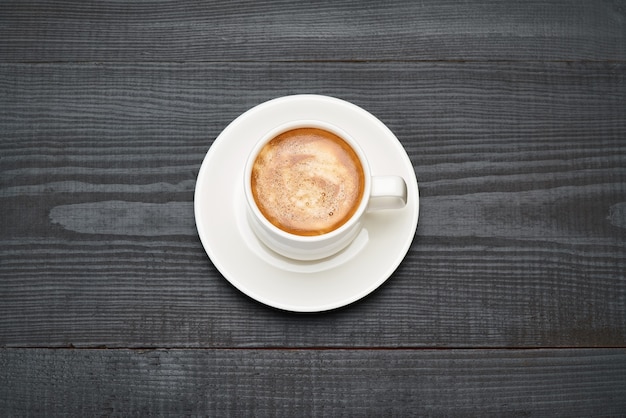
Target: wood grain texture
[158, 31]
[521, 239]
[313, 382]
[512, 113]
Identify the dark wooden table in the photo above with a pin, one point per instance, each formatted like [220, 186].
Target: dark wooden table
[510, 302]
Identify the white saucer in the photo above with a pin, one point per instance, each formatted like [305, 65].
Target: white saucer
[279, 282]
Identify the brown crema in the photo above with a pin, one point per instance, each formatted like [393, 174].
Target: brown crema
[307, 181]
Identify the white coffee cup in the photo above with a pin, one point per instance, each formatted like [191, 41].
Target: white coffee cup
[379, 193]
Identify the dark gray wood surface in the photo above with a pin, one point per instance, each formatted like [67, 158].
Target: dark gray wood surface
[315, 382]
[243, 30]
[511, 300]
[520, 241]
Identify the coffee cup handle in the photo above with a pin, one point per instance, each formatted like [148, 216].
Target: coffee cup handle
[388, 192]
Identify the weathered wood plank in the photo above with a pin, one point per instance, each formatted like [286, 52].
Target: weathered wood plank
[157, 31]
[313, 382]
[522, 232]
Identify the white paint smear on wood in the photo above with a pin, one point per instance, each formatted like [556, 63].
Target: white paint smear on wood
[126, 218]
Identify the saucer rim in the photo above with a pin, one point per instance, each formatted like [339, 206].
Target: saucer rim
[381, 277]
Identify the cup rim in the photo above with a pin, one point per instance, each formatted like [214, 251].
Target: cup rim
[307, 123]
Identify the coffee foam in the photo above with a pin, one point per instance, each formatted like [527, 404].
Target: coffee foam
[307, 181]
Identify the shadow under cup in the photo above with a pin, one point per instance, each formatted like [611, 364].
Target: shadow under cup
[307, 185]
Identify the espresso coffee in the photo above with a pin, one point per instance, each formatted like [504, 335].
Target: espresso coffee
[307, 181]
